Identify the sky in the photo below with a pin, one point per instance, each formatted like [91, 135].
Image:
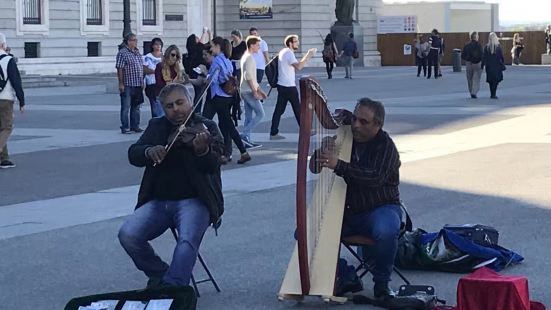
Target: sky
[513, 11]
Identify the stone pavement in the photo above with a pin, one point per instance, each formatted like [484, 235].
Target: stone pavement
[464, 161]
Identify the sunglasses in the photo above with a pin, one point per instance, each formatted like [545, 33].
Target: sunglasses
[173, 55]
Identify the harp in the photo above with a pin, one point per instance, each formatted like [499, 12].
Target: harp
[319, 213]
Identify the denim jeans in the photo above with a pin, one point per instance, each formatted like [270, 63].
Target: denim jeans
[156, 108]
[251, 105]
[190, 217]
[128, 108]
[383, 226]
[259, 76]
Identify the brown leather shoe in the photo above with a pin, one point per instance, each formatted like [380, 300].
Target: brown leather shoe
[245, 157]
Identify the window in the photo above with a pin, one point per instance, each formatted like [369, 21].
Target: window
[32, 17]
[149, 13]
[94, 12]
[93, 49]
[94, 17]
[32, 49]
[32, 12]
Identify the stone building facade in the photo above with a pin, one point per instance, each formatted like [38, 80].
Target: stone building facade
[52, 37]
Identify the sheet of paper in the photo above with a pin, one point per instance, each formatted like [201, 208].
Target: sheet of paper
[134, 305]
[159, 304]
[101, 305]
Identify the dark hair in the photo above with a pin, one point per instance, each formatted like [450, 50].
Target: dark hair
[289, 39]
[127, 37]
[434, 31]
[237, 33]
[376, 106]
[170, 88]
[252, 29]
[351, 35]
[328, 39]
[191, 43]
[252, 40]
[225, 45]
[156, 40]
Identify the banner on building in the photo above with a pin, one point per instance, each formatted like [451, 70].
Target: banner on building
[255, 9]
[397, 24]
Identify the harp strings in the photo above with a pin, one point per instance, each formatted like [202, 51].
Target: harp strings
[324, 182]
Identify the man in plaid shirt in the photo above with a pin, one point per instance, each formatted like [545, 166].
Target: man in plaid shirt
[130, 73]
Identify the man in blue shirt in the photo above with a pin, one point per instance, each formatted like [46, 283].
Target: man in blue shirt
[348, 50]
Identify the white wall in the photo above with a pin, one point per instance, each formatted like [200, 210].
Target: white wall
[429, 15]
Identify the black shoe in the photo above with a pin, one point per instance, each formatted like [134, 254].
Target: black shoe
[125, 131]
[382, 291]
[5, 164]
[352, 286]
[474, 96]
[493, 97]
[153, 283]
[137, 130]
[251, 145]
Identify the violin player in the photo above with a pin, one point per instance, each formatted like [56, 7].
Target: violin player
[181, 188]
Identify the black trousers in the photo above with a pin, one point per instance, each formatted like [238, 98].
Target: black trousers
[433, 62]
[493, 88]
[284, 95]
[329, 68]
[421, 64]
[221, 106]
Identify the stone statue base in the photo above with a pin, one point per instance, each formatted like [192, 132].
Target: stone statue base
[545, 59]
[340, 35]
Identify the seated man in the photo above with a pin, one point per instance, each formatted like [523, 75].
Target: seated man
[181, 188]
[372, 200]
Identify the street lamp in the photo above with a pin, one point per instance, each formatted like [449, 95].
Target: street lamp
[126, 21]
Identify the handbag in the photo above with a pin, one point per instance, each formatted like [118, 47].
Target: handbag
[230, 86]
[356, 54]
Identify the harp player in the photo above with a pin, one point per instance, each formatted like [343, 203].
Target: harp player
[373, 200]
[181, 188]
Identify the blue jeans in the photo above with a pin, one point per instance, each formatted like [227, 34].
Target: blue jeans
[191, 219]
[127, 107]
[251, 105]
[259, 76]
[382, 224]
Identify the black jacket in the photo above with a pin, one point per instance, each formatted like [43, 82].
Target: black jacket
[472, 52]
[205, 170]
[494, 65]
[15, 79]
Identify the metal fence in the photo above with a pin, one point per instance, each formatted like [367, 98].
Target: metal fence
[94, 12]
[391, 46]
[149, 12]
[32, 12]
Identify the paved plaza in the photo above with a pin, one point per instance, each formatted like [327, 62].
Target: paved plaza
[463, 161]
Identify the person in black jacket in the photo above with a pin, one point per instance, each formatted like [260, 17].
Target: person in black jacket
[472, 54]
[181, 188]
[10, 90]
[435, 43]
[494, 63]
[373, 207]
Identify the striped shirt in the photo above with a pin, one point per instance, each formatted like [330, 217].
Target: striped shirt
[372, 176]
[131, 63]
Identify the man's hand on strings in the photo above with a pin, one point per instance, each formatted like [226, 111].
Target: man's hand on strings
[328, 158]
[156, 153]
[201, 142]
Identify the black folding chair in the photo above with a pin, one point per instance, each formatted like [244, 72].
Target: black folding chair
[193, 281]
[362, 241]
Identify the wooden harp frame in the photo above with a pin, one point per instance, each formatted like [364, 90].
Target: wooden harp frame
[313, 101]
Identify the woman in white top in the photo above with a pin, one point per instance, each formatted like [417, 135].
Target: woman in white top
[150, 63]
[251, 93]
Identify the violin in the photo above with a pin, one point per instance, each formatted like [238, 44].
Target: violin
[185, 135]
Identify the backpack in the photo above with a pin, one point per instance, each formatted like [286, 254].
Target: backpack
[272, 72]
[328, 54]
[4, 61]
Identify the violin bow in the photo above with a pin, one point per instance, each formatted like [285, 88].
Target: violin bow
[183, 126]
